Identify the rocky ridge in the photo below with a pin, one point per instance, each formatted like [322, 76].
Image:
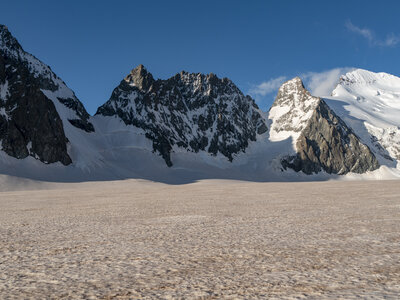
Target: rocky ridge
[190, 111]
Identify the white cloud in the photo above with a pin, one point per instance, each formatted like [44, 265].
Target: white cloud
[363, 32]
[391, 39]
[321, 84]
[267, 87]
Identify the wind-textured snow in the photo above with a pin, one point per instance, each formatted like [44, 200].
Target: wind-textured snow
[135, 239]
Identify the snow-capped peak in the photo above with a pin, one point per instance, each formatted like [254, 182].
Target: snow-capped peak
[364, 77]
[291, 110]
[187, 112]
[370, 103]
[320, 139]
[377, 94]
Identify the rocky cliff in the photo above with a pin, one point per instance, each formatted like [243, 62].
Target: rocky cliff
[30, 124]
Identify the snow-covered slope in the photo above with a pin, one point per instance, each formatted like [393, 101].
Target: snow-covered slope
[370, 103]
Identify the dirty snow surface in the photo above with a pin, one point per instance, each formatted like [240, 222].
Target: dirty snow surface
[210, 239]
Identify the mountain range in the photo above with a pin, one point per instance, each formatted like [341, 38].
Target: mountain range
[193, 126]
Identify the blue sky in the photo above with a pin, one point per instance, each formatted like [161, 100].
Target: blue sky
[92, 45]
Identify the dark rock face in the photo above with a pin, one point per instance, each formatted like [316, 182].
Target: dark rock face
[192, 111]
[82, 122]
[29, 121]
[326, 142]
[33, 127]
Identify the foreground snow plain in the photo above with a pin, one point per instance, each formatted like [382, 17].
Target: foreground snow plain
[209, 239]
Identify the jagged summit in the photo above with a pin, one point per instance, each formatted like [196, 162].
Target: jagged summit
[140, 78]
[292, 94]
[291, 110]
[294, 84]
[189, 111]
[296, 81]
[7, 40]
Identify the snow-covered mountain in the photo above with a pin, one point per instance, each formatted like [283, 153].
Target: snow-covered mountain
[193, 126]
[194, 112]
[321, 140]
[370, 103]
[39, 115]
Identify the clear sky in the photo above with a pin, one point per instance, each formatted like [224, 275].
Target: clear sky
[92, 45]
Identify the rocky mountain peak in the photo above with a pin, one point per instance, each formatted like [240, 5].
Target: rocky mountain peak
[7, 41]
[296, 81]
[291, 110]
[35, 105]
[292, 91]
[140, 78]
[190, 111]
